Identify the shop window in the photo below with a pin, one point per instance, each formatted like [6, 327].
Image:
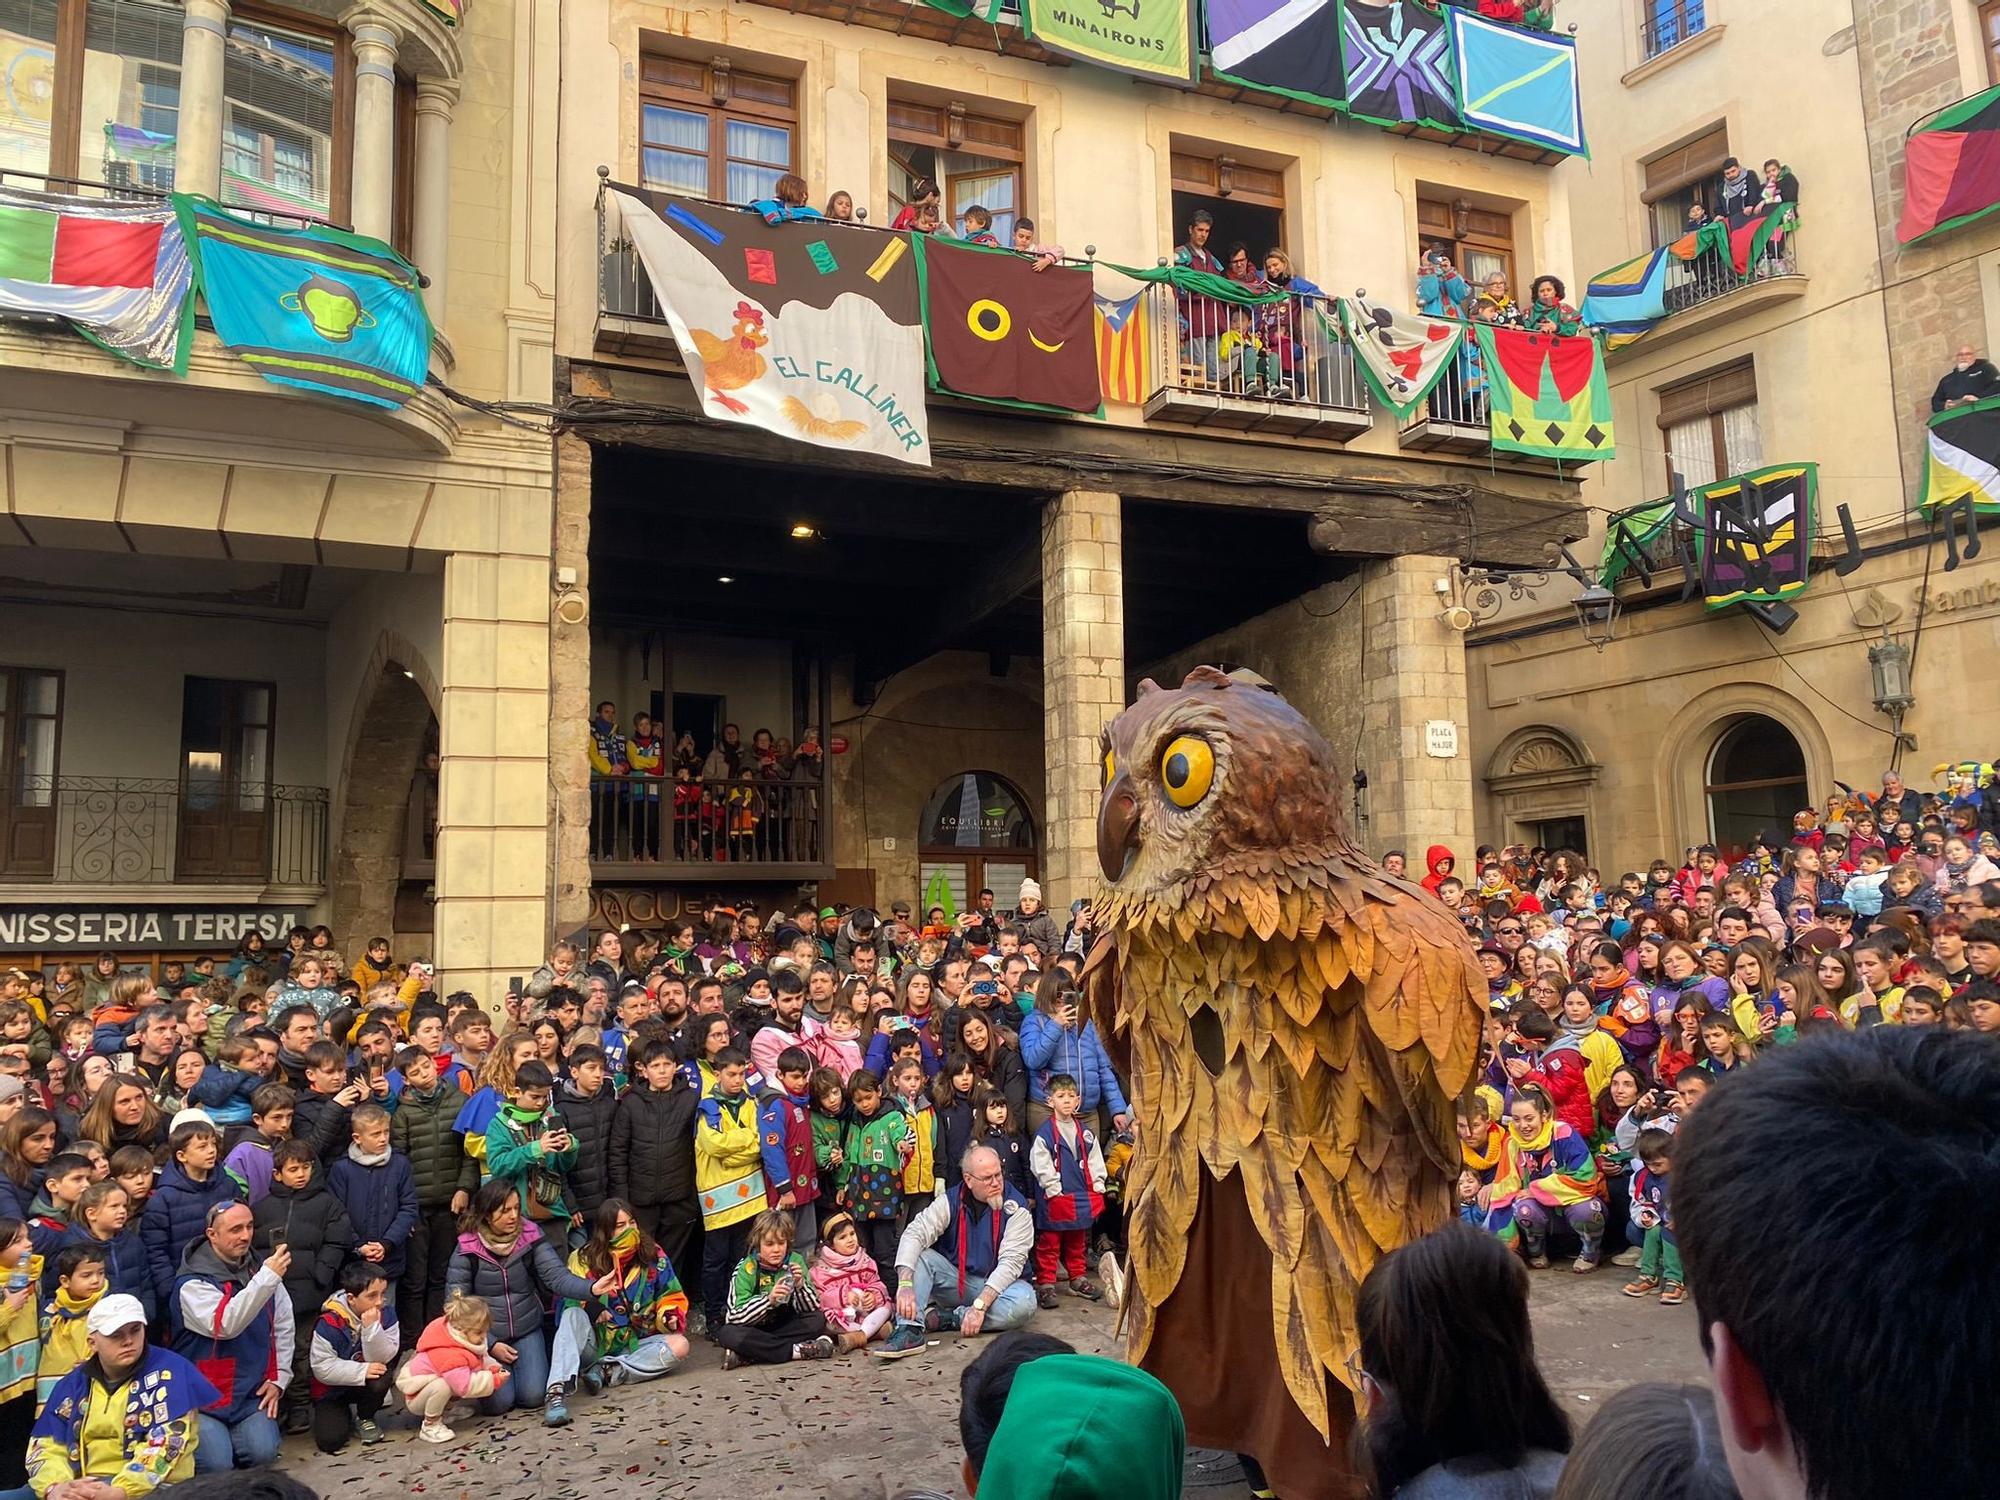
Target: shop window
[711, 130]
[976, 834]
[1709, 426]
[973, 158]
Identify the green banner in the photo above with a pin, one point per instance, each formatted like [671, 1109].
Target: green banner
[1628, 533]
[1198, 284]
[1151, 38]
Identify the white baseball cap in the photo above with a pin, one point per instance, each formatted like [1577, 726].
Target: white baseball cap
[119, 1310]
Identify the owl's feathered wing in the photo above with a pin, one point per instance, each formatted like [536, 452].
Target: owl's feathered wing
[1349, 1008]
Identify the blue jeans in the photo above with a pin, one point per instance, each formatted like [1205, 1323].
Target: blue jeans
[249, 1443]
[527, 1383]
[576, 1349]
[935, 1281]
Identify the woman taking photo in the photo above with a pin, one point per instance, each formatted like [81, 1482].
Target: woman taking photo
[1456, 1406]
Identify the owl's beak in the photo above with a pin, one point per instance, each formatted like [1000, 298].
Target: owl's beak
[1117, 827]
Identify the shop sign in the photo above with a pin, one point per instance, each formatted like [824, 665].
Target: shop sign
[144, 926]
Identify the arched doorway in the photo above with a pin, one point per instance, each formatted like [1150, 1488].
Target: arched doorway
[384, 859]
[976, 834]
[1755, 781]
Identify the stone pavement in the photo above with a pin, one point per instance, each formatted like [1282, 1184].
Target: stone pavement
[812, 1430]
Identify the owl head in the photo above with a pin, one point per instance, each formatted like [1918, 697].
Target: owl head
[1219, 775]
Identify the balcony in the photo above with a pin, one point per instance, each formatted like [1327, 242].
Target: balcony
[137, 834]
[1665, 24]
[1278, 369]
[1706, 292]
[648, 828]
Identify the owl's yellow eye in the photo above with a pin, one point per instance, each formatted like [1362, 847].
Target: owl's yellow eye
[1186, 769]
[1110, 767]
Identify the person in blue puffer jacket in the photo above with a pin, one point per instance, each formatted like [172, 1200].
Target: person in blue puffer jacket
[1053, 1042]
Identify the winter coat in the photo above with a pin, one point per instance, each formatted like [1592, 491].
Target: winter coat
[728, 1161]
[837, 1278]
[879, 1055]
[324, 1125]
[652, 1144]
[125, 1267]
[471, 1373]
[421, 1129]
[17, 1199]
[515, 1153]
[518, 1287]
[1048, 1049]
[871, 1177]
[1534, 1478]
[314, 1223]
[1435, 858]
[1041, 930]
[382, 1203]
[177, 1215]
[589, 1121]
[956, 1125]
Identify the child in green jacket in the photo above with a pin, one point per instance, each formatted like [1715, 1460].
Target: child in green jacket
[528, 1145]
[877, 1148]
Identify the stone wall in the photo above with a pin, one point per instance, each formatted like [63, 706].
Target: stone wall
[569, 700]
[1083, 677]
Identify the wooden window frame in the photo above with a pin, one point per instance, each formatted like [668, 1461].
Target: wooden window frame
[1989, 38]
[15, 673]
[1486, 241]
[66, 108]
[1707, 396]
[269, 724]
[959, 128]
[11, 718]
[717, 99]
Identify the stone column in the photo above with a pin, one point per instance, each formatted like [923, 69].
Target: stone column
[569, 699]
[431, 189]
[198, 132]
[372, 182]
[1083, 679]
[1412, 675]
[492, 850]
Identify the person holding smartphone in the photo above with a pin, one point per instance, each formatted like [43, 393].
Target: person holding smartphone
[528, 1145]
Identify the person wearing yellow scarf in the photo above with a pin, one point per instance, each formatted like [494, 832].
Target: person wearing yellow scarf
[1547, 1171]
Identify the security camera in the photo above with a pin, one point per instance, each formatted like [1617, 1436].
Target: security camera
[1458, 617]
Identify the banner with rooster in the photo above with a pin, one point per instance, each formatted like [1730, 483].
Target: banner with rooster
[808, 329]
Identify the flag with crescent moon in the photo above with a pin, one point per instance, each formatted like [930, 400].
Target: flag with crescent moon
[998, 330]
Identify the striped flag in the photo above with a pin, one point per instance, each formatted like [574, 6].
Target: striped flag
[1121, 349]
[1627, 300]
[116, 270]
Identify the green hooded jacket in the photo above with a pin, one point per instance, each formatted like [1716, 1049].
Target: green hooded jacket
[1078, 1427]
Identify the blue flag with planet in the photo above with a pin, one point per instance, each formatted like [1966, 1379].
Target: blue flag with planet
[314, 307]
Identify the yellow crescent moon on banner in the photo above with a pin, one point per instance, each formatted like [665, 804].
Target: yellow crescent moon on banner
[974, 320]
[1054, 348]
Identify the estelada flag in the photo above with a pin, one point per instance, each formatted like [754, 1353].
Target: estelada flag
[1963, 462]
[999, 330]
[1951, 168]
[1546, 395]
[1121, 349]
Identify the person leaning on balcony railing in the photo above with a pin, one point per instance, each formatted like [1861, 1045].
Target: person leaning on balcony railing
[1291, 327]
[1970, 379]
[923, 194]
[1740, 191]
[1043, 256]
[788, 202]
[1202, 321]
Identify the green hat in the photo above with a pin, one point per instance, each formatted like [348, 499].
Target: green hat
[1078, 1427]
[827, 911]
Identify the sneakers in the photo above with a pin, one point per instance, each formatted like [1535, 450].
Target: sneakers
[369, 1431]
[731, 1359]
[1629, 1257]
[819, 1348]
[908, 1339]
[1083, 1286]
[1639, 1286]
[298, 1419]
[556, 1413]
[1673, 1294]
[1046, 1298]
[614, 1372]
[939, 1321]
[592, 1379]
[1538, 1260]
[1112, 1274]
[1585, 1263]
[434, 1431]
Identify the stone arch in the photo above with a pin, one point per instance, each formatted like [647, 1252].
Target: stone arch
[1691, 737]
[1539, 774]
[394, 716]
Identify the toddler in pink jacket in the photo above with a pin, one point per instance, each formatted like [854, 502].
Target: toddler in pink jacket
[453, 1362]
[851, 1292]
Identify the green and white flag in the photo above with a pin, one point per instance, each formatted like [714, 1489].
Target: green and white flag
[1151, 38]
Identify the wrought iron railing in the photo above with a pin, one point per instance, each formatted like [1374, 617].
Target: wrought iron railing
[120, 831]
[642, 819]
[128, 185]
[1459, 397]
[1668, 23]
[1710, 275]
[1291, 351]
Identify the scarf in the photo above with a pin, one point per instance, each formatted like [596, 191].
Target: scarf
[524, 1117]
[859, 1263]
[1574, 1033]
[624, 1242]
[366, 1158]
[1608, 992]
[501, 1248]
[1540, 1140]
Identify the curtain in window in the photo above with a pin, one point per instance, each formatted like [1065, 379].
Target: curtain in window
[674, 150]
[1691, 447]
[758, 155]
[1742, 445]
[27, 82]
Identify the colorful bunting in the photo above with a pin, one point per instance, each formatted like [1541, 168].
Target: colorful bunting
[1963, 463]
[1547, 396]
[1400, 356]
[314, 307]
[1755, 543]
[998, 330]
[1153, 38]
[1396, 58]
[1517, 83]
[1951, 168]
[809, 330]
[1121, 349]
[1289, 47]
[116, 270]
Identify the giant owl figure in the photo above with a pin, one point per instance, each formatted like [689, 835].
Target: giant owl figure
[1296, 1025]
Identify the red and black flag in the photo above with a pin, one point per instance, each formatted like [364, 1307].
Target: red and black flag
[999, 330]
[1952, 168]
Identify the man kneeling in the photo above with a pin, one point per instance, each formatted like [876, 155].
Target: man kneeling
[987, 1232]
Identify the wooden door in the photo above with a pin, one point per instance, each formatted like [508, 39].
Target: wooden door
[30, 731]
[225, 821]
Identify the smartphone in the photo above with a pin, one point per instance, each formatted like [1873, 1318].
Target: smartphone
[278, 1239]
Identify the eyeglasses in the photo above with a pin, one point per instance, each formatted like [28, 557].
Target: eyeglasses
[1507, 932]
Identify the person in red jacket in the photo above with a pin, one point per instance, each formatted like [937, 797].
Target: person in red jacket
[1558, 1074]
[1440, 862]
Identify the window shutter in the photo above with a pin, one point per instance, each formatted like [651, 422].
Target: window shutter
[1704, 396]
[1697, 161]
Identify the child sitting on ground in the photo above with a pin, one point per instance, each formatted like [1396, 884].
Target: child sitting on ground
[453, 1362]
[1069, 1194]
[353, 1345]
[80, 1283]
[773, 1316]
[1652, 1210]
[850, 1286]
